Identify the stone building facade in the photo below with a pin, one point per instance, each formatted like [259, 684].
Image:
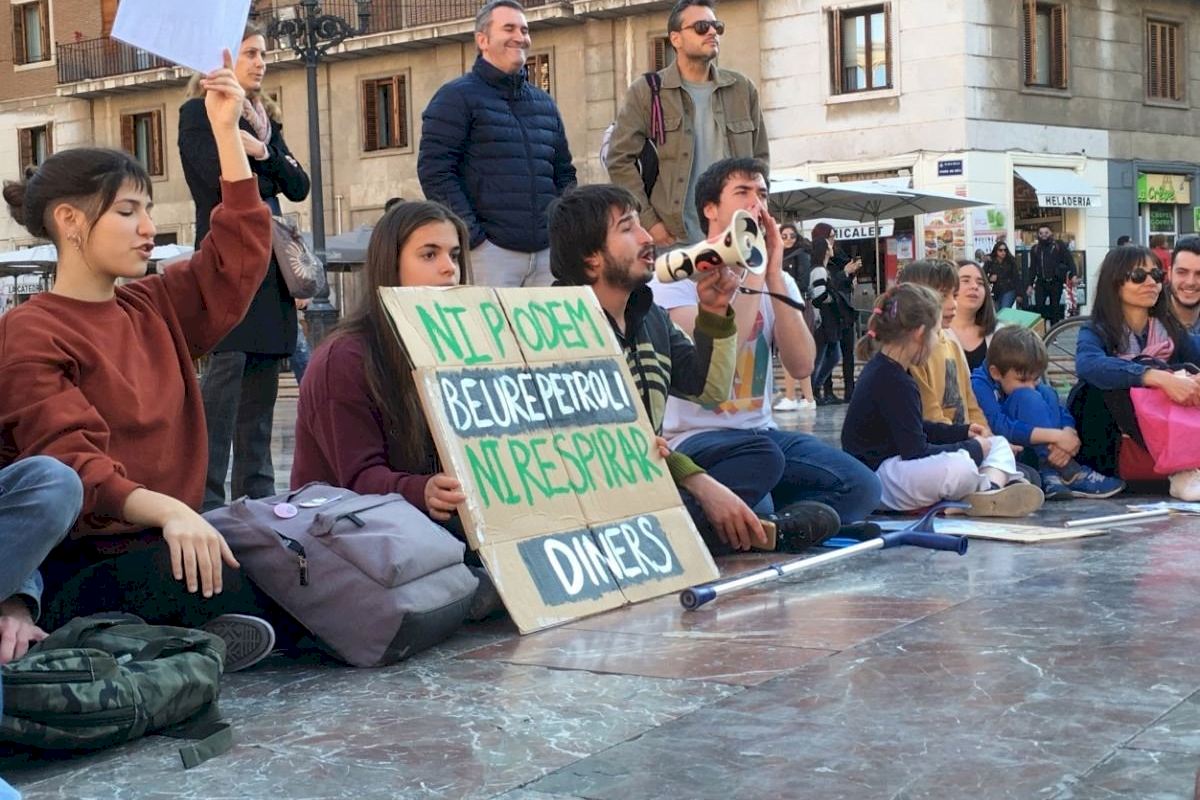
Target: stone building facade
[1054, 111]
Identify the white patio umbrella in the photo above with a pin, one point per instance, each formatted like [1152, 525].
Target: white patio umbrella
[44, 255]
[862, 201]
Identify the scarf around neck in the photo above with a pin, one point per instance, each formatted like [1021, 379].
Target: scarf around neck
[254, 113]
[1159, 344]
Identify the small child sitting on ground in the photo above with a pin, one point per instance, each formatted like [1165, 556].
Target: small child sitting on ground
[920, 462]
[1023, 409]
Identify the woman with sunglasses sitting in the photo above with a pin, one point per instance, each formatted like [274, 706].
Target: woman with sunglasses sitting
[1132, 340]
[1004, 275]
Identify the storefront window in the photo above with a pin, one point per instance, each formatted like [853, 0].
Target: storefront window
[1160, 219]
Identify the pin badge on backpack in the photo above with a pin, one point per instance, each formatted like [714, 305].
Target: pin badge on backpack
[285, 510]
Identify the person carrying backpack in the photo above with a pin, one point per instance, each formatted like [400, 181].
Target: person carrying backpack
[719, 118]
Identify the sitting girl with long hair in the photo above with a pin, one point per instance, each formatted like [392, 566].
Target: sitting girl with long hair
[359, 423]
[974, 314]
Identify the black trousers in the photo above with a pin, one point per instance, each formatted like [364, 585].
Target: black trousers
[1101, 417]
[140, 582]
[1047, 300]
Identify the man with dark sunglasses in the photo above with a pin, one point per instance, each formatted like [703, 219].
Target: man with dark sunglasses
[720, 118]
[1185, 282]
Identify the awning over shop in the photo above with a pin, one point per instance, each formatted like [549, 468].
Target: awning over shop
[1059, 188]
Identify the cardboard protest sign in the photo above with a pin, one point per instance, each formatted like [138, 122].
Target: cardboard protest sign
[189, 33]
[532, 407]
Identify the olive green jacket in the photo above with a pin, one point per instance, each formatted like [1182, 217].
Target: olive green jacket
[735, 103]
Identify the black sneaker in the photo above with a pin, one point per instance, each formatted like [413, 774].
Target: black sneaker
[861, 531]
[248, 640]
[802, 525]
[486, 601]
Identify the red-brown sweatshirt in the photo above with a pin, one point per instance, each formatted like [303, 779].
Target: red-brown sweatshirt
[109, 389]
[340, 435]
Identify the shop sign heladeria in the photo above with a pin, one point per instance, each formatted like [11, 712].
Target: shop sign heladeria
[1065, 200]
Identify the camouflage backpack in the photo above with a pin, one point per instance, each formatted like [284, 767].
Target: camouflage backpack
[102, 680]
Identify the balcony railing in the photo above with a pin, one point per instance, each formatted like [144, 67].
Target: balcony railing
[90, 59]
[101, 58]
[387, 15]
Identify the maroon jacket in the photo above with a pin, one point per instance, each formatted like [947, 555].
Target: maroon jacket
[340, 438]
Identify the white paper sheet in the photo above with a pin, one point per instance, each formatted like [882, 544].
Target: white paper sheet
[188, 32]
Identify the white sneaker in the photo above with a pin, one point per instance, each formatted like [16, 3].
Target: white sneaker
[808, 405]
[786, 404]
[1186, 485]
[1017, 499]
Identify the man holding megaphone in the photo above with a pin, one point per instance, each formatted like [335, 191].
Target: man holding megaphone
[597, 240]
[731, 199]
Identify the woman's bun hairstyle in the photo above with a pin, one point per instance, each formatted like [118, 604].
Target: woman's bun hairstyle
[86, 177]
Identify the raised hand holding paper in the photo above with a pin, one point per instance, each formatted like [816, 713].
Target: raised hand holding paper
[189, 33]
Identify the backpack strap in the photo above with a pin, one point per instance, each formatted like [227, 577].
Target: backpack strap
[207, 733]
[658, 128]
[72, 633]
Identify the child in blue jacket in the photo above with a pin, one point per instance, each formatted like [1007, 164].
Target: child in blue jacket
[1020, 407]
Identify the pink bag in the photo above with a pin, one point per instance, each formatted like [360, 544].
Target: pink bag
[1170, 430]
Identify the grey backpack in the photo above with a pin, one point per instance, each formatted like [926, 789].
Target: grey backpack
[371, 576]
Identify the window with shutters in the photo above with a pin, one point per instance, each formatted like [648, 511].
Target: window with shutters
[142, 137]
[860, 49]
[1164, 61]
[662, 54]
[385, 113]
[1046, 56]
[34, 146]
[31, 32]
[538, 70]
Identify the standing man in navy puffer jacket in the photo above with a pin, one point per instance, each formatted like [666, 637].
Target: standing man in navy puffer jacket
[494, 149]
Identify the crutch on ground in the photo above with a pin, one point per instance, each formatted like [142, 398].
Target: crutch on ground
[919, 534]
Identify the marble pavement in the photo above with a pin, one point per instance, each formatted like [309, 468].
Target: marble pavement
[1066, 670]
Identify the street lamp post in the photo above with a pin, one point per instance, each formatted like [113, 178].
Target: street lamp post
[311, 35]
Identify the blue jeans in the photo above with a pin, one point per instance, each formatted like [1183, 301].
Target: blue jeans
[1007, 299]
[827, 357]
[299, 359]
[1029, 406]
[812, 470]
[749, 467]
[40, 498]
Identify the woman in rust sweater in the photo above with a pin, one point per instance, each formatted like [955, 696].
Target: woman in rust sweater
[100, 377]
[359, 422]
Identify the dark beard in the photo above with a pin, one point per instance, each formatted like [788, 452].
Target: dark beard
[619, 275]
[1192, 307]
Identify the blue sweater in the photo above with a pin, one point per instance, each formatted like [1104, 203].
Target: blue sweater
[1095, 365]
[494, 149]
[884, 419]
[991, 401]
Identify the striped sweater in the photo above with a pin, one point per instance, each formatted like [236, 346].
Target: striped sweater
[664, 361]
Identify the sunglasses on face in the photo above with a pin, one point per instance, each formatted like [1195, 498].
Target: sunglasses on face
[1139, 275]
[702, 27]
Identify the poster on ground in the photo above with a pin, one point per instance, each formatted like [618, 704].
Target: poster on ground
[532, 407]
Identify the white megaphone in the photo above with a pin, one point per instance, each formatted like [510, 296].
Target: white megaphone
[741, 245]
